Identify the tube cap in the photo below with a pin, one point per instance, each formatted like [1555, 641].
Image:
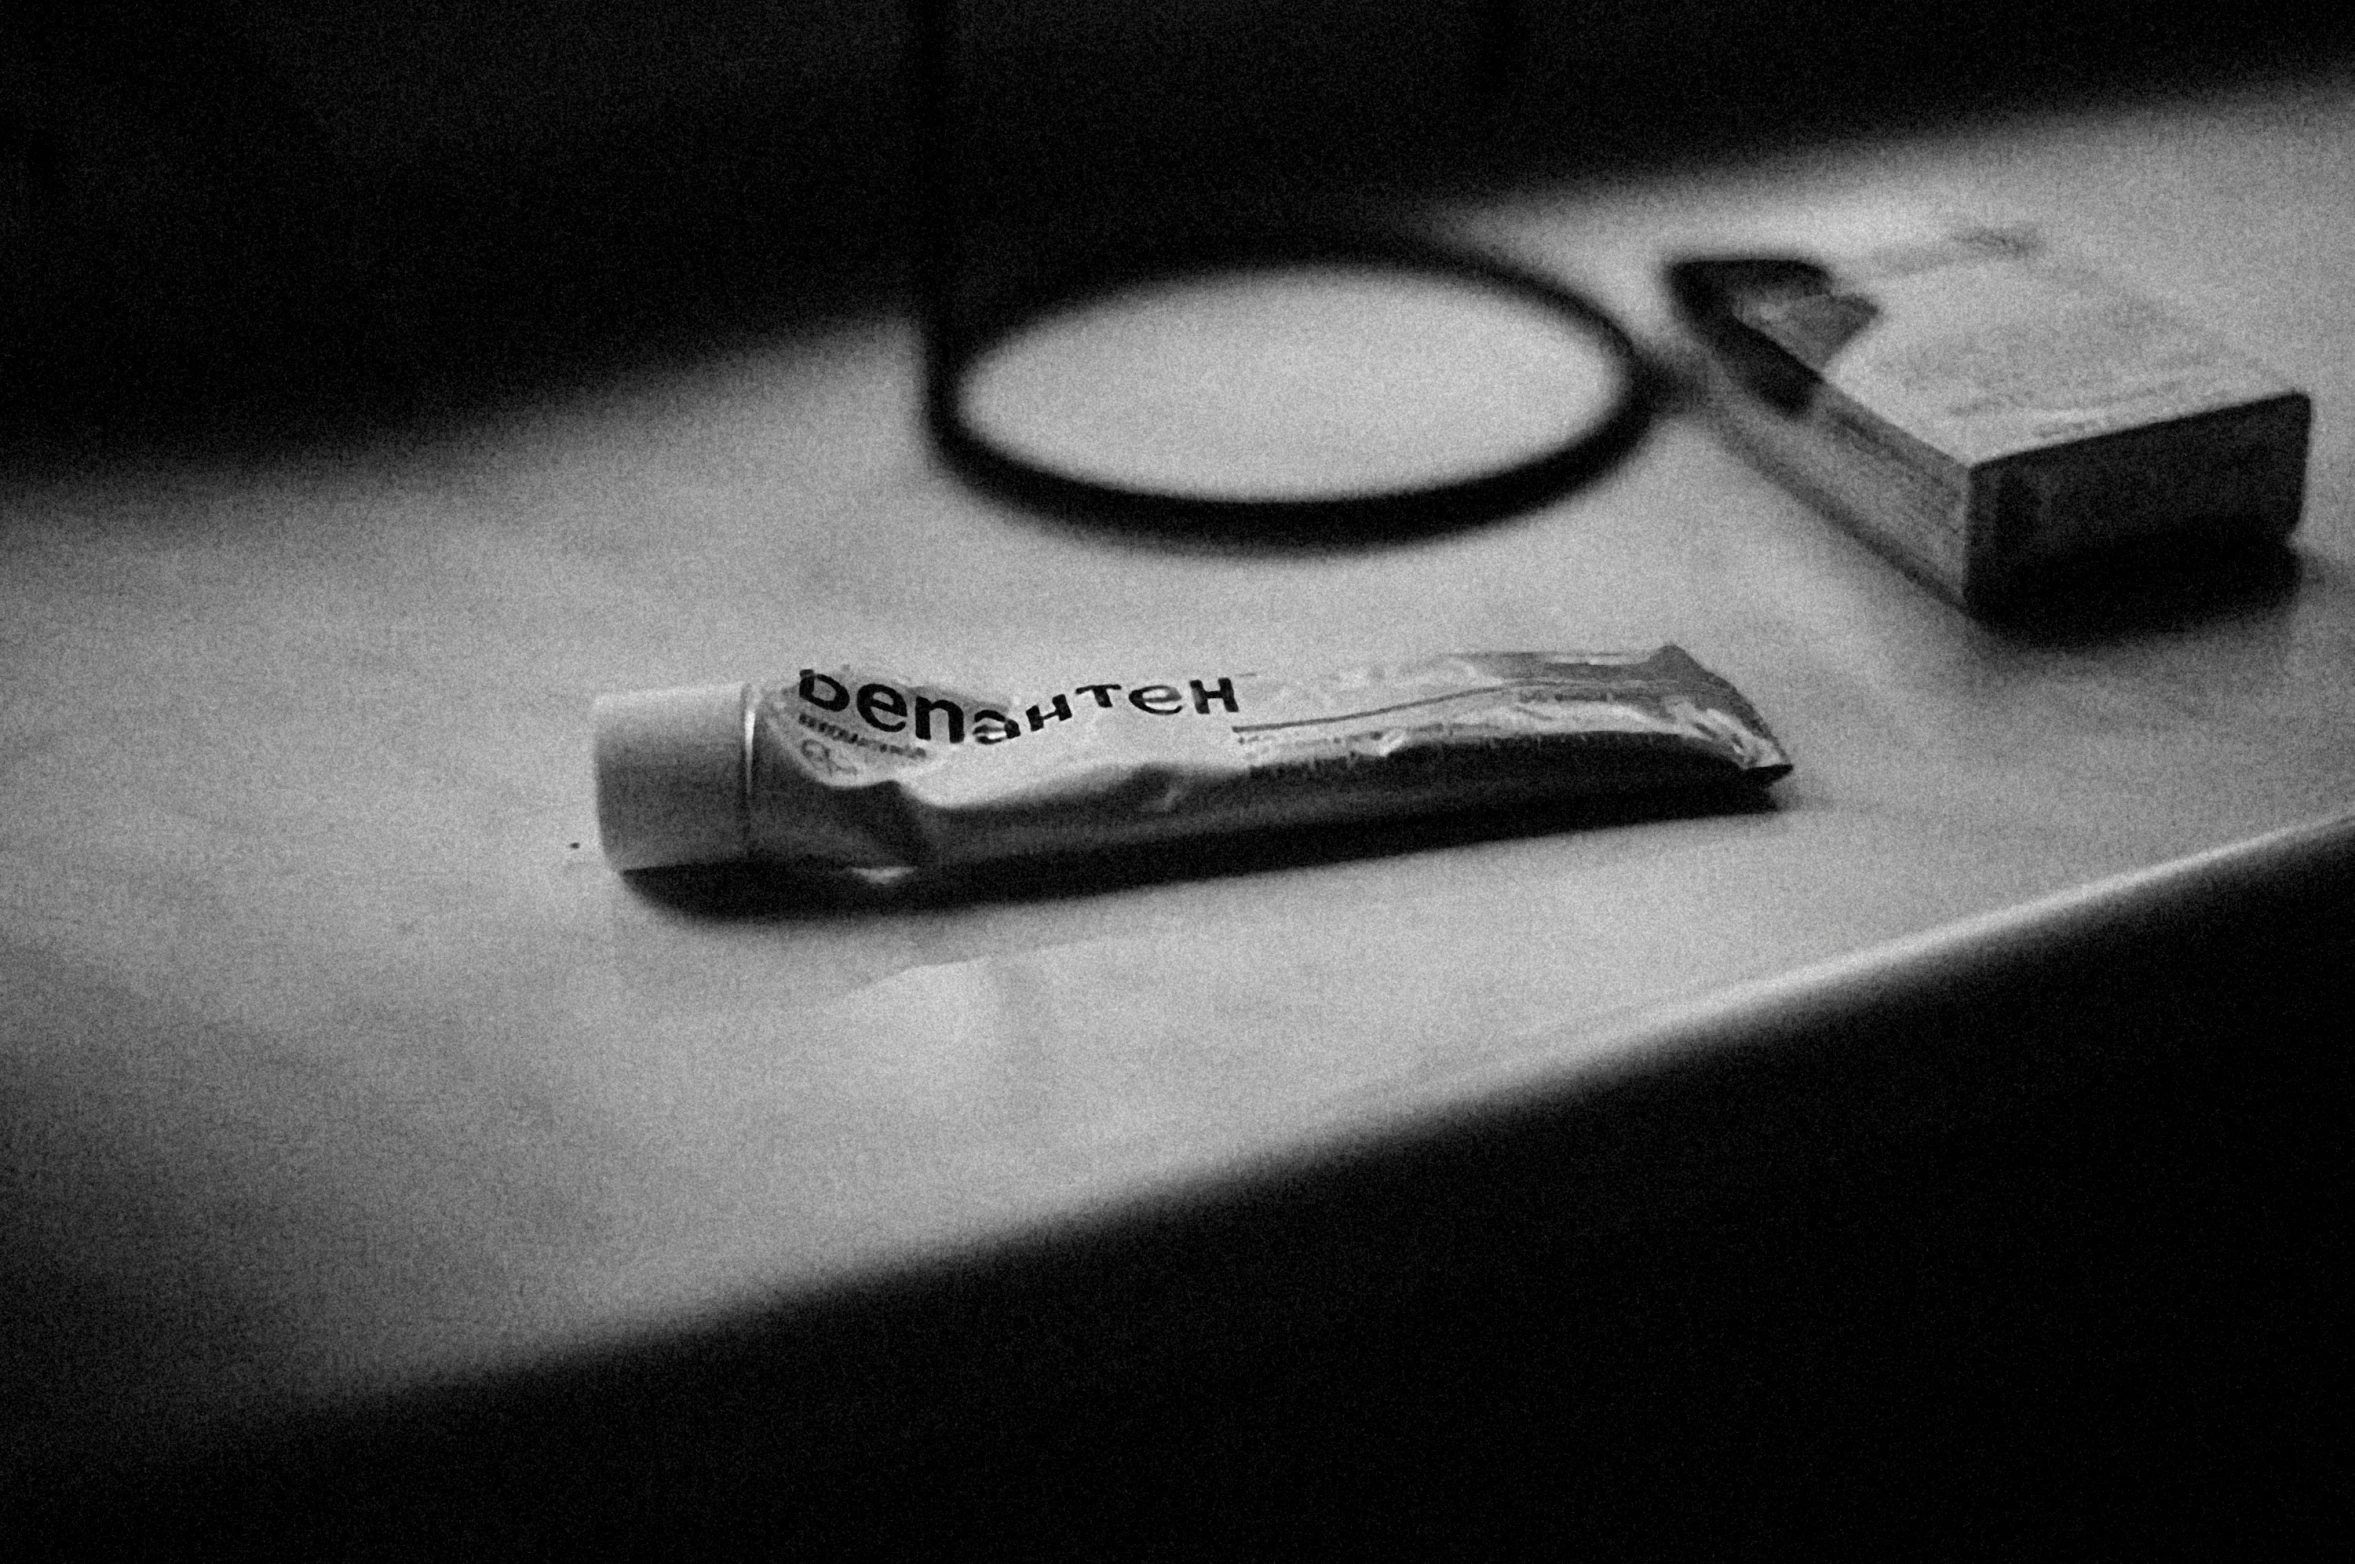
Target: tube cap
[671, 775]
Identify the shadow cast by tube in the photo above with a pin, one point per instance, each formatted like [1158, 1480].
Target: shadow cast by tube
[778, 892]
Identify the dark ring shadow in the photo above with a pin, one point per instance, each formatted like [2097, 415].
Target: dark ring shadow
[1583, 453]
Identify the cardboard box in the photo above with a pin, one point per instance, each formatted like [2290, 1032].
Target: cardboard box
[2000, 420]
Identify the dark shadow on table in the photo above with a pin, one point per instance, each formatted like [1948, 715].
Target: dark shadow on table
[2157, 591]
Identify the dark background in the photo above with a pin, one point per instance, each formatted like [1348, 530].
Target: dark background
[269, 216]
